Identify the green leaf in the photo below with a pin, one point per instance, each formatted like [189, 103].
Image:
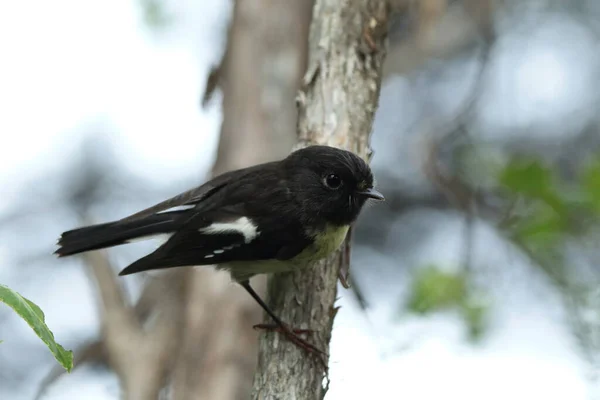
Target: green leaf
[475, 316]
[532, 179]
[156, 14]
[590, 182]
[434, 290]
[34, 316]
[542, 224]
[527, 177]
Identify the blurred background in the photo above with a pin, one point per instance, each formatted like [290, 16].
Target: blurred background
[477, 278]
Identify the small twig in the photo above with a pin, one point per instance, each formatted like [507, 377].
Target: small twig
[213, 81]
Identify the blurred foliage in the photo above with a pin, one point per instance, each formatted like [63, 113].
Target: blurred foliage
[561, 217]
[155, 14]
[435, 290]
[558, 208]
[34, 316]
[479, 164]
[541, 226]
[590, 183]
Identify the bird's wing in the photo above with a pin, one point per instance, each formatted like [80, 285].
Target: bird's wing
[160, 219]
[232, 218]
[194, 196]
[225, 235]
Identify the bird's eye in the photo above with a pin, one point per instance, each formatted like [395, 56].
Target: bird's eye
[332, 181]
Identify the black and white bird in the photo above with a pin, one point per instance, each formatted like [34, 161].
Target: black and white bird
[269, 218]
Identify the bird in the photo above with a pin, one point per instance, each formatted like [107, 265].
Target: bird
[274, 217]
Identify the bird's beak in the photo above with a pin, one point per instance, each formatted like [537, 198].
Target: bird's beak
[371, 193]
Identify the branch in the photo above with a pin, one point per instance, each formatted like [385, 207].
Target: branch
[141, 355]
[336, 107]
[89, 353]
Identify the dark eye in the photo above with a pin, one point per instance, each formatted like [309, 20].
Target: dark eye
[332, 181]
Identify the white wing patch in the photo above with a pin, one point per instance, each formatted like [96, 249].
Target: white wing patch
[178, 208]
[221, 251]
[243, 226]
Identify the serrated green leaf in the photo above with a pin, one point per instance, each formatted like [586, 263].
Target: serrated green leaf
[34, 316]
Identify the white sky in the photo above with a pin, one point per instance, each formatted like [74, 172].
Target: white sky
[542, 79]
[72, 66]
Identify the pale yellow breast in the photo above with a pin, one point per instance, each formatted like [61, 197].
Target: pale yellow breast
[325, 243]
[328, 241]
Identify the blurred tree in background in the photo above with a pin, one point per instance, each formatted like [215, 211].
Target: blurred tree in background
[486, 147]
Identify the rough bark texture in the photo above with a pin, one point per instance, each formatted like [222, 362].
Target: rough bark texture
[336, 107]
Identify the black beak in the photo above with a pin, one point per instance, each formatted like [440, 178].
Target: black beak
[371, 193]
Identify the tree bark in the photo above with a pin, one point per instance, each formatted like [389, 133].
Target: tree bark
[336, 107]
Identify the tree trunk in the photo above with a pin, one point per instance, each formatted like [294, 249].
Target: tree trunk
[336, 108]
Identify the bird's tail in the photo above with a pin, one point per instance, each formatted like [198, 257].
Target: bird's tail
[115, 233]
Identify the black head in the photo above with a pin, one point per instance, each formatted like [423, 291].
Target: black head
[330, 184]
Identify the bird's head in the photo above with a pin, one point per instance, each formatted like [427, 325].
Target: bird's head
[330, 184]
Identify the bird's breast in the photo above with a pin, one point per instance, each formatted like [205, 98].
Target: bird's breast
[328, 240]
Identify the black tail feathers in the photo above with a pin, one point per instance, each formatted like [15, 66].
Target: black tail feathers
[110, 234]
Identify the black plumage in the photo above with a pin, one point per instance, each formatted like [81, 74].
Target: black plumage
[287, 201]
[271, 217]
